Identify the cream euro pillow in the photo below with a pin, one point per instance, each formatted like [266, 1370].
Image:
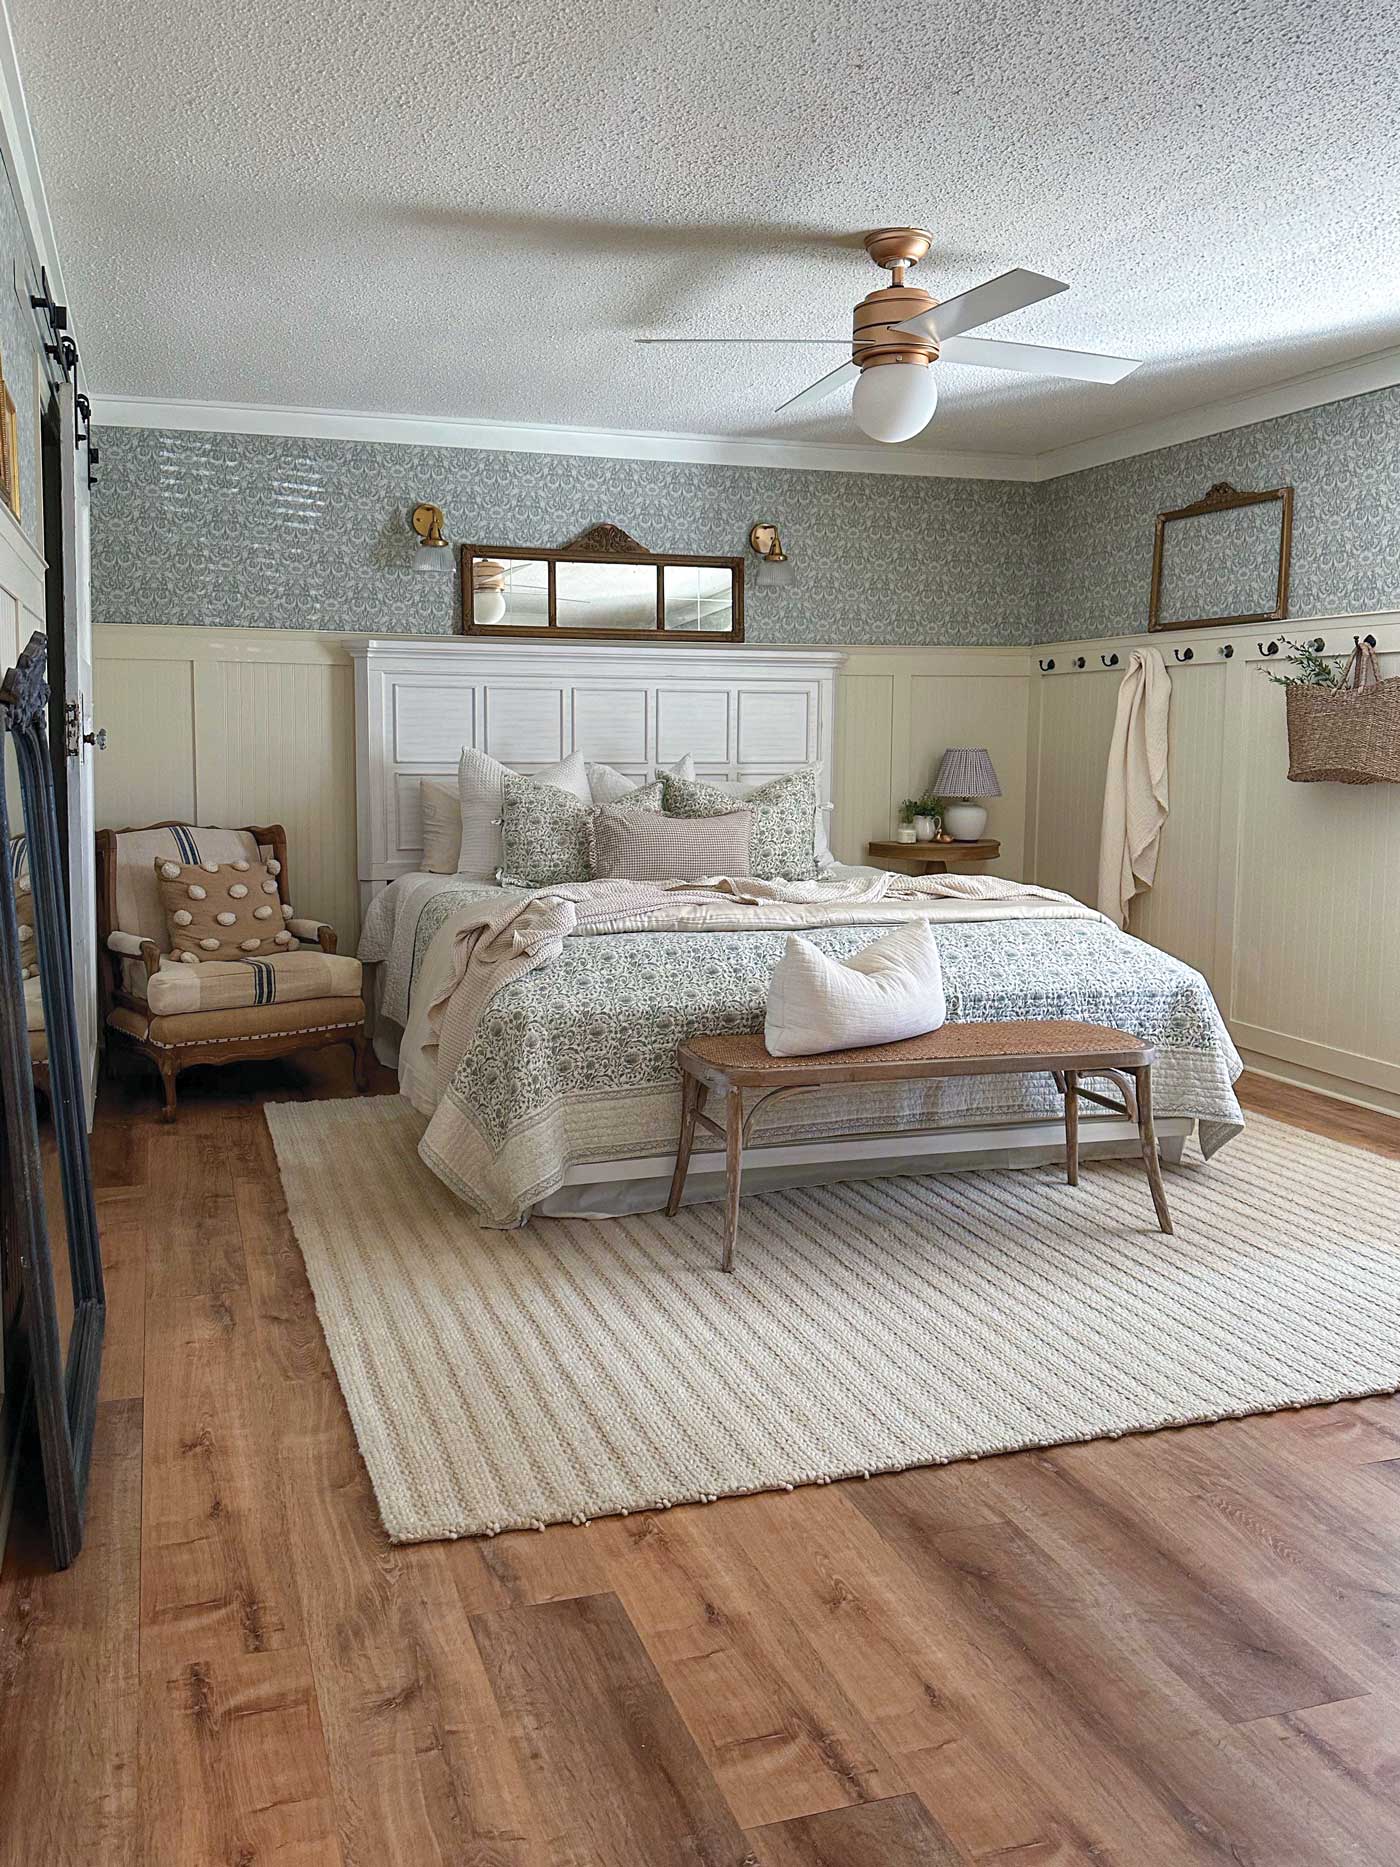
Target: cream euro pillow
[888, 990]
[440, 810]
[614, 787]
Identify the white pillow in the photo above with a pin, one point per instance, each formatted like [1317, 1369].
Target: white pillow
[742, 789]
[886, 991]
[440, 810]
[611, 787]
[481, 791]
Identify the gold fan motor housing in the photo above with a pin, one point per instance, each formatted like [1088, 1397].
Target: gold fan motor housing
[872, 342]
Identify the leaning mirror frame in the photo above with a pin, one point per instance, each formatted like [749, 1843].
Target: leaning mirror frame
[63, 1375]
[1223, 497]
[488, 596]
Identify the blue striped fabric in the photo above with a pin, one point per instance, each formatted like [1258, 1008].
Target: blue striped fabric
[19, 857]
[264, 982]
[183, 838]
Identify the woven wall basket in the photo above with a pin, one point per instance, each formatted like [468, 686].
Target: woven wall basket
[1348, 734]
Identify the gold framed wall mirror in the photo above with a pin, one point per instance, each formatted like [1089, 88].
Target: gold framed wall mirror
[1222, 559]
[601, 586]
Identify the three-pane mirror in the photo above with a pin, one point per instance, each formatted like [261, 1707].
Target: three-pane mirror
[601, 584]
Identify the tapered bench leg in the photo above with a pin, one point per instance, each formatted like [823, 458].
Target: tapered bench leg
[1071, 1089]
[1150, 1155]
[693, 1093]
[733, 1171]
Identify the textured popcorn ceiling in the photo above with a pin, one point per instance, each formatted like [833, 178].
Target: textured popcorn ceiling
[470, 211]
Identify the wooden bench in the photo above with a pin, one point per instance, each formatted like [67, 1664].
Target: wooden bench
[741, 1069]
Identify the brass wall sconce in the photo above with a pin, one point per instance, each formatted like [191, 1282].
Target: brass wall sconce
[773, 567]
[434, 551]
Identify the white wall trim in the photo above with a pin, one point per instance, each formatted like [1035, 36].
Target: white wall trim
[527, 438]
[1381, 370]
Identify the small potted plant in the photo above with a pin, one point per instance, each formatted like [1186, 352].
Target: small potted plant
[922, 815]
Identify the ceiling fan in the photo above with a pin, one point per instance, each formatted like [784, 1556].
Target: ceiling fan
[899, 330]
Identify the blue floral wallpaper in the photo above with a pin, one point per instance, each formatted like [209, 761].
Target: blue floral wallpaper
[1096, 528]
[260, 531]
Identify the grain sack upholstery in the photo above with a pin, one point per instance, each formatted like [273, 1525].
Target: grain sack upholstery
[204, 960]
[37, 1037]
[203, 1030]
[34, 1028]
[226, 984]
[223, 910]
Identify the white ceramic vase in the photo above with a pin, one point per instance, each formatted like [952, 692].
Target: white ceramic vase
[965, 822]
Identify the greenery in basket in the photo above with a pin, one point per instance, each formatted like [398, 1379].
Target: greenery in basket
[920, 807]
[1314, 669]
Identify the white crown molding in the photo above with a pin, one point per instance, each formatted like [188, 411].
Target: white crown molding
[1379, 370]
[527, 438]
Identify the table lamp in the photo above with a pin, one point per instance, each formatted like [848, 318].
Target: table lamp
[966, 773]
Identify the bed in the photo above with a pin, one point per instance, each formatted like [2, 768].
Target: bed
[567, 1098]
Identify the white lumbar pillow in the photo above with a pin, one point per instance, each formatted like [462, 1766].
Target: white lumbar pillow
[481, 791]
[889, 990]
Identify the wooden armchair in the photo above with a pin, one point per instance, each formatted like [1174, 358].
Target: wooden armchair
[176, 1016]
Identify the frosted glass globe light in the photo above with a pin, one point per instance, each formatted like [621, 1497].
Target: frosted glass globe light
[488, 606]
[894, 401]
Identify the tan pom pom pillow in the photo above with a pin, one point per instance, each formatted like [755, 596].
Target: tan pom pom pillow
[223, 910]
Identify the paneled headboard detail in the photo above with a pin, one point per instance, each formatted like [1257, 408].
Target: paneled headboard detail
[741, 713]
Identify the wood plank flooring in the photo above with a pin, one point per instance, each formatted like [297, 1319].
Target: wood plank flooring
[1181, 1648]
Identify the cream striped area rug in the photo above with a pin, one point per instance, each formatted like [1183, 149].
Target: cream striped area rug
[576, 1368]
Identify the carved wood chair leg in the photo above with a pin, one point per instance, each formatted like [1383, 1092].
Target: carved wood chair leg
[360, 1046]
[168, 1073]
[692, 1100]
[1150, 1155]
[733, 1171]
[1071, 1082]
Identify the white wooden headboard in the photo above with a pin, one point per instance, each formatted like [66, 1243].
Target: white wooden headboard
[740, 712]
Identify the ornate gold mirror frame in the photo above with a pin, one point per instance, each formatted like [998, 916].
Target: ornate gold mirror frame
[1223, 497]
[486, 576]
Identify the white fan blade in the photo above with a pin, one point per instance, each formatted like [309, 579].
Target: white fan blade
[823, 386]
[990, 353]
[744, 340]
[1011, 291]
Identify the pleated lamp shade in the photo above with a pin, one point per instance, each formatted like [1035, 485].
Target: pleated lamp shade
[967, 771]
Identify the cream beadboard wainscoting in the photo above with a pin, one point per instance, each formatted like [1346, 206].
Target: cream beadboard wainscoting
[1286, 896]
[233, 727]
[258, 726]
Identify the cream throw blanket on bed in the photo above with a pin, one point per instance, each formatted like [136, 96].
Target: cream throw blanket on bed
[497, 941]
[1135, 792]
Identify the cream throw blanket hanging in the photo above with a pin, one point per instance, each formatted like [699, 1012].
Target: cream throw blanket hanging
[1135, 790]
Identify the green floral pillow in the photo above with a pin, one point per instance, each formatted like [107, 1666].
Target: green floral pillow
[782, 841]
[544, 831]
